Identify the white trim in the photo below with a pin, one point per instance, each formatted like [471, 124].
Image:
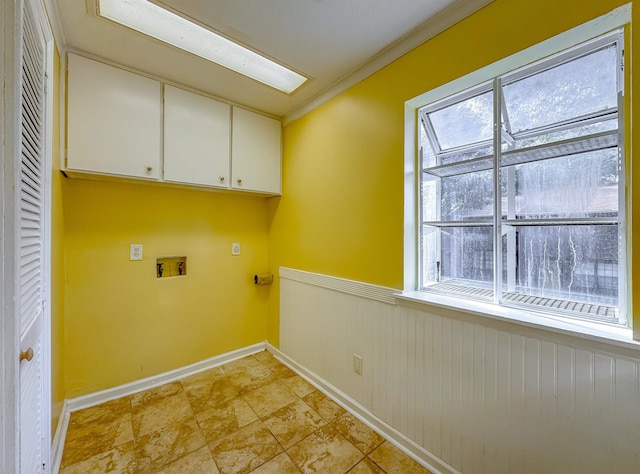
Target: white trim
[411, 214]
[614, 338]
[51, 8]
[432, 27]
[9, 68]
[411, 449]
[351, 287]
[93, 399]
[57, 446]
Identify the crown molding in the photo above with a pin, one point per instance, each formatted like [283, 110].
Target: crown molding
[432, 27]
[51, 7]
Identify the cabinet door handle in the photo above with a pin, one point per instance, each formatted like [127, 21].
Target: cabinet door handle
[239, 181]
[149, 169]
[222, 179]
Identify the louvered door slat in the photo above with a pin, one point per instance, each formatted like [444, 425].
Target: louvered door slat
[30, 124]
[31, 151]
[31, 209]
[27, 248]
[30, 94]
[33, 174]
[28, 194]
[31, 214]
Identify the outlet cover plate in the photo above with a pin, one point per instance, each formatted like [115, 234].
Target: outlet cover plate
[135, 252]
[235, 248]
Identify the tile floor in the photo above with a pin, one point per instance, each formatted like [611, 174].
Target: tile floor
[250, 415]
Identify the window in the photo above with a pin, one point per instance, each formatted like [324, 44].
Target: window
[521, 187]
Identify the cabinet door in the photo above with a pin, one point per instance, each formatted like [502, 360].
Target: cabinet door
[114, 120]
[256, 152]
[197, 136]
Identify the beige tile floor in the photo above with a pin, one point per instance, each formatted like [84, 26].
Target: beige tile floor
[250, 415]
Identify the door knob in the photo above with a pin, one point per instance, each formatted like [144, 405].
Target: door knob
[28, 355]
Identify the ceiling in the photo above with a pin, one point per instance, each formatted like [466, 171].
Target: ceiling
[335, 43]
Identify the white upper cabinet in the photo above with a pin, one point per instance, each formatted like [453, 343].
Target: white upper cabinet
[256, 152]
[197, 139]
[117, 126]
[114, 120]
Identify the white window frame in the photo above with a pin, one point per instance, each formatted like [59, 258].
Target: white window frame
[616, 19]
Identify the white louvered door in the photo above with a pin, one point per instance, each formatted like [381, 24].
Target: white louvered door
[32, 277]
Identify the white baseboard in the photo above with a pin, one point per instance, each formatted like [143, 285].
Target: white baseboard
[403, 443]
[411, 449]
[103, 396]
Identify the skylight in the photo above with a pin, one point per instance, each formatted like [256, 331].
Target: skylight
[163, 25]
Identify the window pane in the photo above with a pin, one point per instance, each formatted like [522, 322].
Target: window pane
[467, 254]
[457, 255]
[466, 122]
[578, 87]
[430, 244]
[584, 185]
[428, 156]
[574, 132]
[467, 155]
[430, 200]
[467, 197]
[576, 263]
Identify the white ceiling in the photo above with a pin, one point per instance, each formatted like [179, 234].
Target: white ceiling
[335, 43]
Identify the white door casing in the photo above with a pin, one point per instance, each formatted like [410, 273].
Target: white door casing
[8, 339]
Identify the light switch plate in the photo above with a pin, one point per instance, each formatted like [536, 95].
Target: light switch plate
[235, 248]
[135, 252]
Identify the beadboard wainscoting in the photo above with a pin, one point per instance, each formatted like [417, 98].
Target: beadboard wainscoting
[472, 394]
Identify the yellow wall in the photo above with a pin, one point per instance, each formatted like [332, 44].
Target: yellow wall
[121, 322]
[57, 259]
[341, 212]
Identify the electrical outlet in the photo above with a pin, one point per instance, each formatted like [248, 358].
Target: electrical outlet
[135, 252]
[235, 248]
[357, 364]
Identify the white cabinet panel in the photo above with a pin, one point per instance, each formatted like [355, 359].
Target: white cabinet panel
[114, 120]
[197, 135]
[256, 152]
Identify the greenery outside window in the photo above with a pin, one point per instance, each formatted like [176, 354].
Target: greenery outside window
[521, 187]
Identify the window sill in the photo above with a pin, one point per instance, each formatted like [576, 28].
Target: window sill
[603, 333]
